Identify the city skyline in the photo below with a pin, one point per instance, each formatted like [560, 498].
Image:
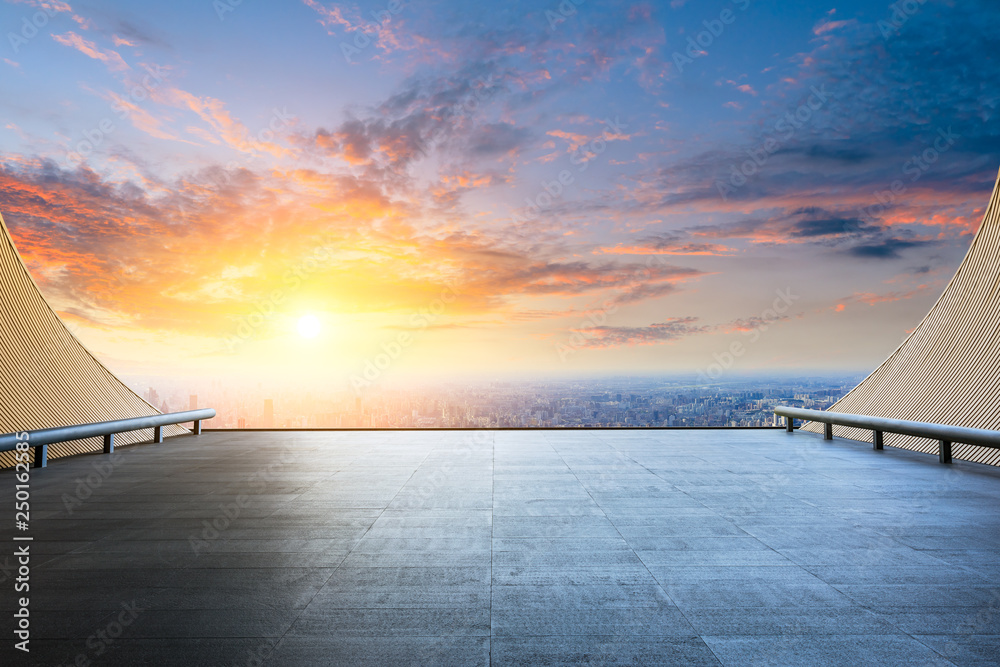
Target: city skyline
[419, 191]
[585, 402]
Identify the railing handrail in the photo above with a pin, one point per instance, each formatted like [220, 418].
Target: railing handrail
[971, 436]
[50, 436]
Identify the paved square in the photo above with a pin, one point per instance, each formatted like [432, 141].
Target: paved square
[533, 547]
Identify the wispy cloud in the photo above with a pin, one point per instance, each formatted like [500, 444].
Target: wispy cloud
[112, 59]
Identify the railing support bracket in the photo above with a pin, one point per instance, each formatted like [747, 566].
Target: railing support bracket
[41, 456]
[944, 451]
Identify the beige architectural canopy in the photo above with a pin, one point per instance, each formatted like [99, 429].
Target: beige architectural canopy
[47, 377]
[948, 370]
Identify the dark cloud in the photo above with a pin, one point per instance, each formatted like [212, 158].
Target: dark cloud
[826, 227]
[497, 138]
[885, 249]
[140, 34]
[888, 100]
[660, 332]
[421, 115]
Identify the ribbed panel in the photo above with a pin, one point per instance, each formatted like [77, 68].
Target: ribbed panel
[47, 378]
[948, 370]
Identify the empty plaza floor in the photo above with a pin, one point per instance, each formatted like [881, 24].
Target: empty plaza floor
[700, 547]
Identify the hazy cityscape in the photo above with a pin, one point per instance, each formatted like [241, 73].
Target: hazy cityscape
[674, 401]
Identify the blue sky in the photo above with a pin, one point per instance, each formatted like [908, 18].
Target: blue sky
[600, 186]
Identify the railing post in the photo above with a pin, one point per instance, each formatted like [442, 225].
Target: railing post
[157, 434]
[828, 431]
[789, 424]
[109, 443]
[944, 451]
[877, 440]
[41, 456]
[197, 427]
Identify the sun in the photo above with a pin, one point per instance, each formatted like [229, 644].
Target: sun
[309, 326]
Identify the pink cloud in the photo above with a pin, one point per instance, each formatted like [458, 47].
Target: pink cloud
[231, 131]
[112, 59]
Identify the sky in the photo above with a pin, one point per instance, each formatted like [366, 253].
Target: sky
[354, 192]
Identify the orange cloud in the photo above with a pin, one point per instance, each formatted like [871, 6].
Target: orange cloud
[112, 59]
[141, 119]
[712, 249]
[231, 131]
[574, 140]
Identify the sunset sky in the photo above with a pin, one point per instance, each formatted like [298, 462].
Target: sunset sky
[501, 187]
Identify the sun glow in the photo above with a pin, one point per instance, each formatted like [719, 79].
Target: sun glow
[309, 326]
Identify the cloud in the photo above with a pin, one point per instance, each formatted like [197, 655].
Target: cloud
[666, 243]
[886, 248]
[823, 226]
[234, 133]
[382, 27]
[135, 34]
[671, 330]
[492, 139]
[872, 298]
[420, 118]
[886, 101]
[54, 6]
[141, 119]
[826, 26]
[112, 59]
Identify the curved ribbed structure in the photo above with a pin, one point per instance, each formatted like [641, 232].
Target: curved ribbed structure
[948, 370]
[47, 378]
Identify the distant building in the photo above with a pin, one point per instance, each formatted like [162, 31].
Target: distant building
[268, 413]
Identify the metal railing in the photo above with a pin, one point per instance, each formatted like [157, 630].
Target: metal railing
[945, 435]
[42, 438]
